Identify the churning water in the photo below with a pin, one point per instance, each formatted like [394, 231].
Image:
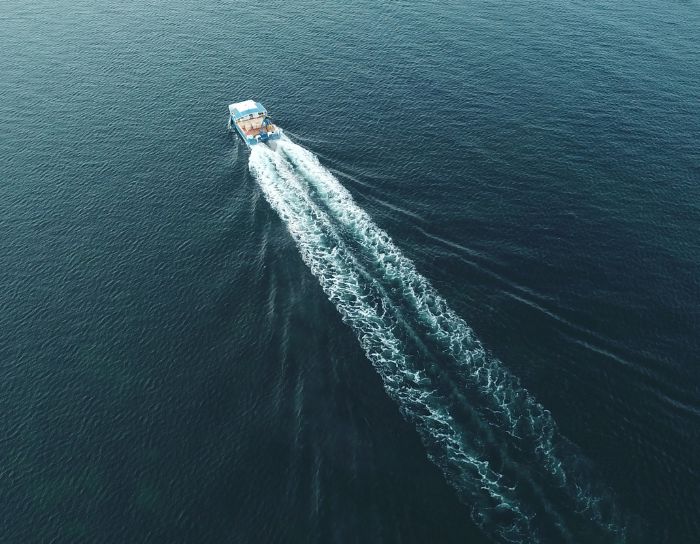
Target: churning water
[493, 441]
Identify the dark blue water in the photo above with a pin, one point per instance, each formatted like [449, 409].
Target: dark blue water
[459, 304]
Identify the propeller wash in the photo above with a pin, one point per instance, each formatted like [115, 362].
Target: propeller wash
[495, 444]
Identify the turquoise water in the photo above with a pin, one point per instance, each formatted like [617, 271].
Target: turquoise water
[458, 304]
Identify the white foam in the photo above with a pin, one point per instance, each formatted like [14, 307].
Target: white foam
[322, 217]
[361, 307]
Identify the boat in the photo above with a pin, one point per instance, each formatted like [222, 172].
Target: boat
[253, 124]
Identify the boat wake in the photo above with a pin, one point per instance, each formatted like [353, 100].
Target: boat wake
[496, 445]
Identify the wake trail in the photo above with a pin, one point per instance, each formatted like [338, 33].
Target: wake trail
[495, 444]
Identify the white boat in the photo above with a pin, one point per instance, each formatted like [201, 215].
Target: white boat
[253, 124]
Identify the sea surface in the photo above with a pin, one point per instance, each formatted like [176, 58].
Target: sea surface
[459, 302]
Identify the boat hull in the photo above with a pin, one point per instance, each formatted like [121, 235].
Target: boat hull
[252, 123]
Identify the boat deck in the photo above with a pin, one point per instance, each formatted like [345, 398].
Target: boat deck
[254, 131]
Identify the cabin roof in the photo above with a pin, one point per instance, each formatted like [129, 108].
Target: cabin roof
[240, 109]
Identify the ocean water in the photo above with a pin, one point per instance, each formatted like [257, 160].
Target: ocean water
[459, 302]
